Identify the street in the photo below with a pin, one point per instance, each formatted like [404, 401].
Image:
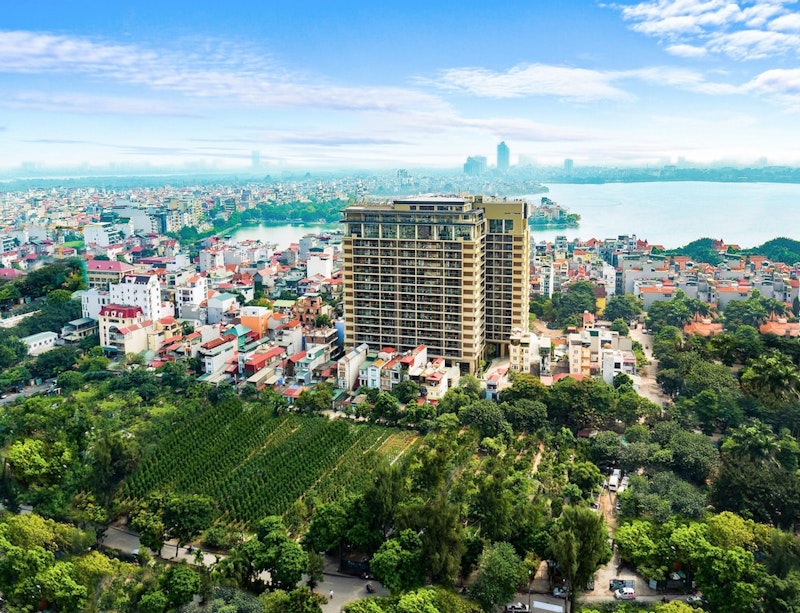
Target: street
[27, 391]
[345, 587]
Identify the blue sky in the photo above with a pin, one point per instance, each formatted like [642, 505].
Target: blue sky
[361, 84]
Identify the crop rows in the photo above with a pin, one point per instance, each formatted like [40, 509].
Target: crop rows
[352, 470]
[214, 442]
[253, 464]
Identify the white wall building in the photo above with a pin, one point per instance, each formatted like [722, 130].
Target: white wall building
[191, 293]
[105, 234]
[319, 264]
[524, 351]
[348, 365]
[219, 305]
[143, 291]
[41, 342]
[92, 301]
[211, 258]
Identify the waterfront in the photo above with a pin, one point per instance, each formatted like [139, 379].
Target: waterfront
[675, 213]
[281, 234]
[670, 214]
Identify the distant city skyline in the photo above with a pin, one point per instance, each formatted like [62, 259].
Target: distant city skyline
[322, 85]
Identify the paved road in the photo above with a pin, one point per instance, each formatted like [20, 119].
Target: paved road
[345, 588]
[27, 391]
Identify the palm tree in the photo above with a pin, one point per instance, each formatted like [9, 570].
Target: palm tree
[754, 442]
[773, 378]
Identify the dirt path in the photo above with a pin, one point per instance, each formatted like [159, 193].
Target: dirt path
[648, 386]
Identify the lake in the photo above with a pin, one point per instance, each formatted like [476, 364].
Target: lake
[671, 214]
[281, 234]
[675, 213]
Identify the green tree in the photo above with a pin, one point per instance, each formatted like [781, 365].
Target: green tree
[581, 404]
[500, 573]
[180, 583]
[527, 415]
[272, 550]
[619, 325]
[406, 391]
[471, 385]
[398, 562]
[586, 476]
[750, 312]
[772, 378]
[185, 516]
[55, 361]
[327, 529]
[579, 544]
[487, 418]
[605, 447]
[675, 312]
[386, 407]
[524, 386]
[622, 306]
[150, 527]
[578, 298]
[695, 456]
[315, 570]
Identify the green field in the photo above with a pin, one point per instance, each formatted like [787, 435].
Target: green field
[254, 464]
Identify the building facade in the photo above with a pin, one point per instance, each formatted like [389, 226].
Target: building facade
[417, 271]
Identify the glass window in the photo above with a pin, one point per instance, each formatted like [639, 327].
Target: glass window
[407, 232]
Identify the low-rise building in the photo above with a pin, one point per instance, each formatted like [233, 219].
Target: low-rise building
[348, 366]
[76, 330]
[41, 342]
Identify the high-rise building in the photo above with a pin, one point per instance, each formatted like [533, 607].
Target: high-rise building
[446, 272]
[503, 157]
[568, 166]
[475, 166]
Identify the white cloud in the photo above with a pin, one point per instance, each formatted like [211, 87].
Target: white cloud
[786, 23]
[225, 73]
[90, 104]
[572, 84]
[740, 30]
[754, 44]
[579, 84]
[782, 85]
[690, 51]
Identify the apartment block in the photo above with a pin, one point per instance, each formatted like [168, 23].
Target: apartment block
[450, 273]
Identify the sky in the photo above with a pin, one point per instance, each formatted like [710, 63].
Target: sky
[361, 84]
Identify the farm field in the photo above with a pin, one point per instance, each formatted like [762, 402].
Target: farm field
[255, 464]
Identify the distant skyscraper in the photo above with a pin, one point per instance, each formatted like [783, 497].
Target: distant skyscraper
[475, 166]
[503, 156]
[450, 273]
[255, 159]
[568, 166]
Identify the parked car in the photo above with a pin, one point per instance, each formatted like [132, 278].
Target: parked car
[560, 592]
[694, 599]
[625, 593]
[616, 584]
[517, 607]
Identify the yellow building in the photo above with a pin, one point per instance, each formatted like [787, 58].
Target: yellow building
[445, 272]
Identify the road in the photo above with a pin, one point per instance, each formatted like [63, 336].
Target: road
[648, 386]
[345, 587]
[27, 391]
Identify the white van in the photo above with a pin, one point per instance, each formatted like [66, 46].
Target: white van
[613, 483]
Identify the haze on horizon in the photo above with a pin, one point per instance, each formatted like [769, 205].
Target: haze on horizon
[321, 84]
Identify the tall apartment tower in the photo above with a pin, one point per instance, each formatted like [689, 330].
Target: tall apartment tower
[503, 157]
[450, 273]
